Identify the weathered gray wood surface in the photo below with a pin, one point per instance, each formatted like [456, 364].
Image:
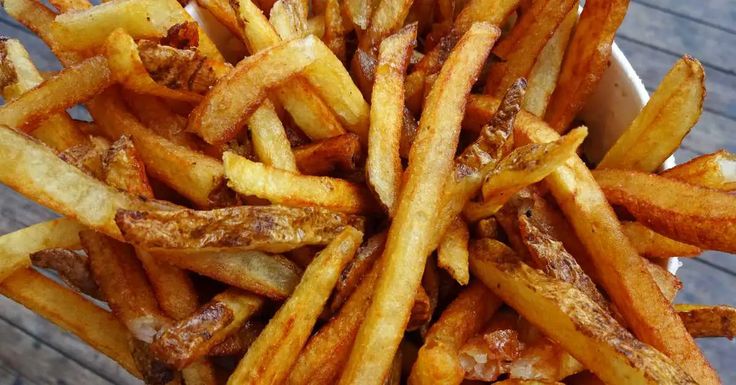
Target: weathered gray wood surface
[653, 36]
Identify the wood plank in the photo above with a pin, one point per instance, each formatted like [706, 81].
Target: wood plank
[10, 377]
[719, 13]
[678, 34]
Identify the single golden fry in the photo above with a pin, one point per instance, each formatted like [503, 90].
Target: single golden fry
[714, 171]
[271, 276]
[225, 14]
[571, 318]
[412, 232]
[659, 128]
[585, 60]
[653, 245]
[269, 138]
[290, 189]
[275, 350]
[387, 18]
[359, 12]
[289, 19]
[383, 164]
[339, 153]
[708, 321]
[71, 86]
[706, 220]
[123, 168]
[452, 252]
[240, 227]
[357, 269]
[334, 35]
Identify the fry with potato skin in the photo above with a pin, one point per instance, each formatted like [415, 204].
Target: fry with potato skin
[430, 165]
[708, 321]
[383, 164]
[123, 168]
[275, 350]
[339, 153]
[710, 170]
[357, 269]
[657, 131]
[654, 245]
[574, 320]
[70, 266]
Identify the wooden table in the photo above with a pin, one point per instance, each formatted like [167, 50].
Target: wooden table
[654, 34]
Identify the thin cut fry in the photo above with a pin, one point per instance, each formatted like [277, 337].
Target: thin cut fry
[452, 252]
[716, 171]
[383, 164]
[290, 189]
[71, 86]
[276, 349]
[579, 325]
[241, 227]
[708, 321]
[659, 128]
[412, 231]
[653, 245]
[585, 60]
[339, 153]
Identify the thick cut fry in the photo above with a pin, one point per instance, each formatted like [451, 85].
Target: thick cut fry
[621, 271]
[523, 167]
[383, 164]
[172, 287]
[225, 14]
[386, 19]
[192, 337]
[269, 138]
[519, 50]
[334, 35]
[653, 245]
[123, 168]
[339, 153]
[359, 12]
[71, 86]
[275, 350]
[289, 19]
[566, 314]
[291, 189]
[708, 321]
[695, 215]
[72, 312]
[452, 252]
[199, 181]
[268, 228]
[15, 247]
[716, 171]
[585, 60]
[271, 276]
[546, 70]
[412, 232]
[20, 76]
[72, 267]
[36, 172]
[661, 125]
[438, 361]
[124, 285]
[356, 271]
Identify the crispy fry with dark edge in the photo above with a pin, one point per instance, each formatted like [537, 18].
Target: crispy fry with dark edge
[383, 165]
[192, 337]
[276, 349]
[706, 220]
[585, 60]
[123, 168]
[654, 245]
[573, 319]
[72, 267]
[411, 235]
[272, 276]
[357, 269]
[716, 171]
[268, 228]
[667, 282]
[438, 361]
[237, 343]
[340, 152]
[657, 131]
[452, 251]
[708, 321]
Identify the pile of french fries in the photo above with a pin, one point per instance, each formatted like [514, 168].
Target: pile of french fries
[374, 192]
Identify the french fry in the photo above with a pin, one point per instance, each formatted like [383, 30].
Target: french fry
[430, 164]
[123, 168]
[359, 12]
[486, 228]
[661, 125]
[271, 276]
[543, 76]
[711, 170]
[438, 361]
[519, 50]
[357, 269]
[236, 344]
[72, 267]
[708, 321]
[334, 35]
[93, 325]
[276, 349]
[269, 139]
[653, 245]
[706, 221]
[171, 286]
[579, 325]
[71, 86]
[225, 14]
[341, 153]
[291, 189]
[452, 252]
[15, 247]
[238, 227]
[667, 282]
[515, 381]
[57, 130]
[289, 19]
[383, 164]
[191, 338]
[387, 18]
[70, 5]
[394, 374]
[585, 60]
